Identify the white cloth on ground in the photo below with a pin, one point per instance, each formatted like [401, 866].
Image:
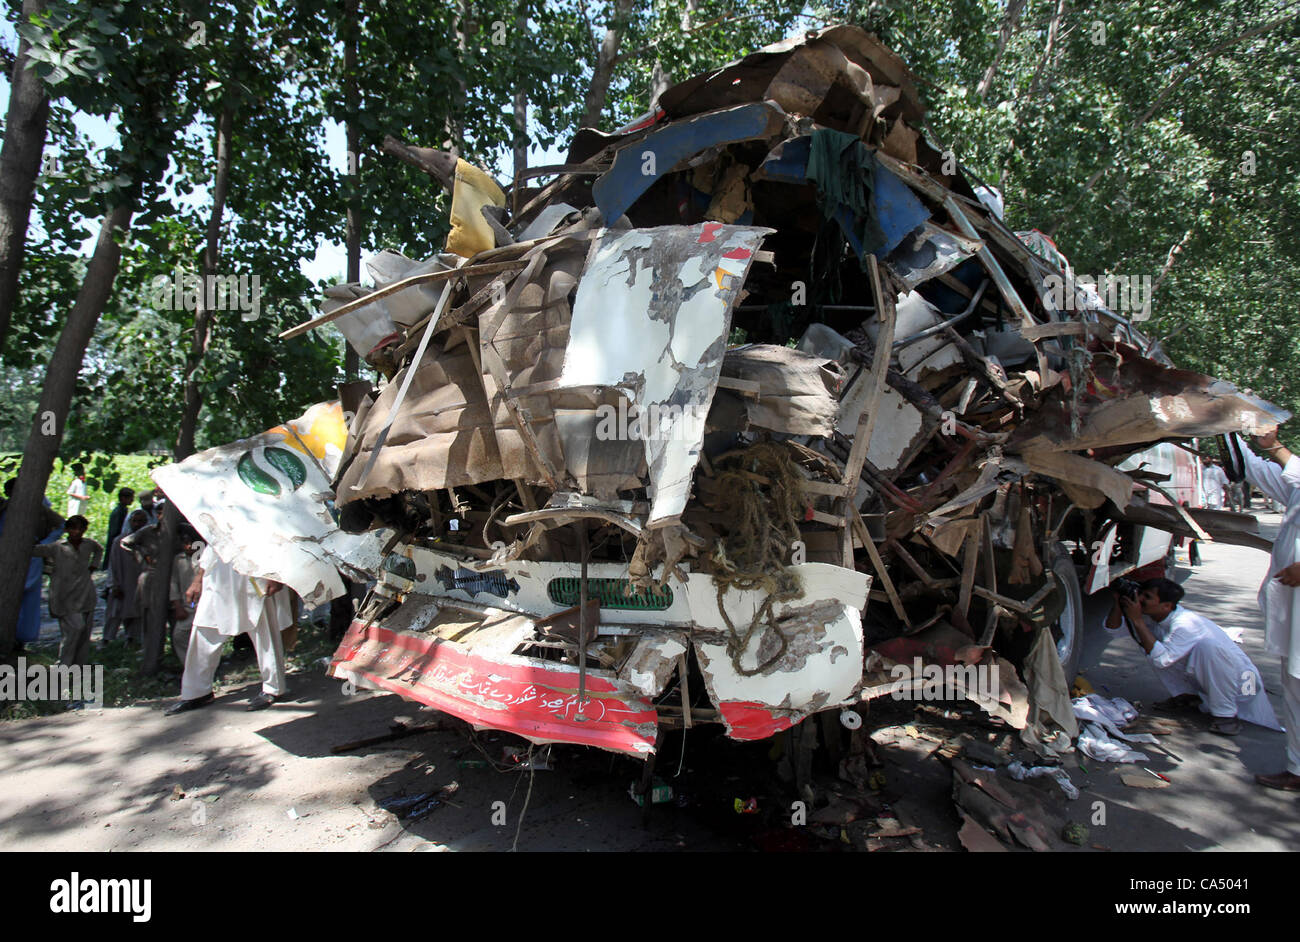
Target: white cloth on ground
[1116, 712]
[1096, 742]
[1100, 732]
[1193, 655]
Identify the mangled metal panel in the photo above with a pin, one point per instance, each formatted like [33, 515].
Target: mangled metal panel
[928, 252]
[443, 435]
[265, 506]
[638, 165]
[1136, 401]
[785, 389]
[820, 668]
[841, 76]
[651, 318]
[821, 665]
[536, 699]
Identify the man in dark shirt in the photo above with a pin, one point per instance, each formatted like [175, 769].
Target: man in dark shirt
[117, 519]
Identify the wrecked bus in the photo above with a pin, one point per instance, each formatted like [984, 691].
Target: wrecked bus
[743, 408]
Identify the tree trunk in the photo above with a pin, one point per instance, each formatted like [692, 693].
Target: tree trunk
[351, 105]
[1007, 30]
[20, 162]
[1053, 28]
[521, 108]
[21, 517]
[603, 73]
[455, 131]
[155, 641]
[660, 82]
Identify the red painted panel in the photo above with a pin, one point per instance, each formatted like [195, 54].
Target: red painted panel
[533, 698]
[752, 720]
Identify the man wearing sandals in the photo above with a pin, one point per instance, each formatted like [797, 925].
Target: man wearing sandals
[1195, 658]
[1278, 599]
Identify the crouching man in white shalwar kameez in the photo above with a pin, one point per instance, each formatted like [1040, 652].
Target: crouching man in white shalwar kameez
[1192, 655]
[231, 603]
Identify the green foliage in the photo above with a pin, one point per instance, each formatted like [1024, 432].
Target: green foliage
[1126, 139]
[105, 474]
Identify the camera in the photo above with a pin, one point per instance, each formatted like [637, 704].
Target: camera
[1126, 588]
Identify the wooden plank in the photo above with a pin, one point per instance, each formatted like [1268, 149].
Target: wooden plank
[973, 533]
[879, 565]
[744, 386]
[913, 565]
[879, 375]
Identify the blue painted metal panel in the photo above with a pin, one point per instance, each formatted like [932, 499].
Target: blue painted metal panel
[626, 180]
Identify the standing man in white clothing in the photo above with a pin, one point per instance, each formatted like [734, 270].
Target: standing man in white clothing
[230, 603]
[1213, 484]
[1278, 598]
[78, 496]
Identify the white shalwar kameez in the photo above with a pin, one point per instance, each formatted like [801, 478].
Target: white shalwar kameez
[1213, 482]
[1194, 655]
[230, 604]
[1281, 604]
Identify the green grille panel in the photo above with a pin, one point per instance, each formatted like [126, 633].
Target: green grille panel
[612, 593]
[400, 565]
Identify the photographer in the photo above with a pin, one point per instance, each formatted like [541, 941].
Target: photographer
[1193, 657]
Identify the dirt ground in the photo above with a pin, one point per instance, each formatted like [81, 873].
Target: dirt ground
[223, 778]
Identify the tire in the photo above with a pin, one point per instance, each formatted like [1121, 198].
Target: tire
[1068, 630]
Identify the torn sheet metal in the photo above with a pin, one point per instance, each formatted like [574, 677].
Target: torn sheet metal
[795, 391]
[651, 318]
[1088, 483]
[928, 252]
[1136, 401]
[638, 165]
[533, 698]
[1224, 526]
[653, 661]
[265, 504]
[814, 70]
[443, 436]
[821, 667]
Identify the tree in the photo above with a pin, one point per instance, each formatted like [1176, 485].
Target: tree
[145, 88]
[20, 161]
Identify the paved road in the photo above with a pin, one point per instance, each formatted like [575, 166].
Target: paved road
[106, 780]
[1213, 802]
